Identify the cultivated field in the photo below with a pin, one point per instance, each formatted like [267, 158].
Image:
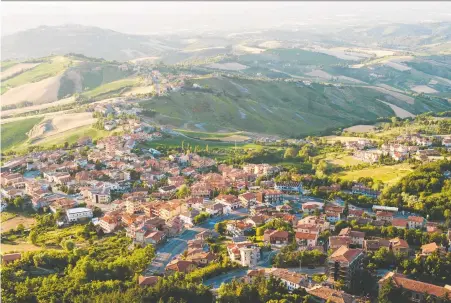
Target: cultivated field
[360, 129]
[424, 89]
[44, 91]
[342, 160]
[140, 90]
[72, 135]
[17, 69]
[60, 124]
[234, 66]
[333, 139]
[395, 94]
[44, 70]
[17, 111]
[112, 87]
[399, 112]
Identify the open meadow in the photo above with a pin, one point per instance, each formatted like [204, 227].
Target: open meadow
[388, 174]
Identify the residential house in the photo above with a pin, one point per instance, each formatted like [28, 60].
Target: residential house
[360, 189]
[357, 237]
[430, 248]
[148, 280]
[256, 220]
[229, 201]
[399, 223]
[336, 242]
[385, 216]
[306, 239]
[344, 263]
[202, 258]
[214, 209]
[291, 280]
[396, 245]
[270, 196]
[245, 253]
[322, 294]
[278, 237]
[416, 290]
[248, 199]
[238, 228]
[79, 213]
[415, 222]
[108, 223]
[182, 266]
[289, 187]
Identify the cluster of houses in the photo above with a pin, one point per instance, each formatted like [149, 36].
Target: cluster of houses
[141, 194]
[403, 147]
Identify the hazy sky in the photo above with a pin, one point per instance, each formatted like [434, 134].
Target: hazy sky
[161, 17]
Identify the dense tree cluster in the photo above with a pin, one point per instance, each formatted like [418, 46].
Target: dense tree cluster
[65, 275]
[426, 190]
[290, 256]
[259, 290]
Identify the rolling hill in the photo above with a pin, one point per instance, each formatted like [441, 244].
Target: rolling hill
[277, 107]
[90, 41]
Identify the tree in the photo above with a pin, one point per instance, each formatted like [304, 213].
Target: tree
[220, 227]
[390, 293]
[18, 202]
[346, 209]
[183, 191]
[68, 245]
[200, 218]
[290, 153]
[33, 236]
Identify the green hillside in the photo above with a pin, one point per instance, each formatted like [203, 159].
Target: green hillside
[276, 107]
[110, 88]
[15, 133]
[88, 76]
[51, 68]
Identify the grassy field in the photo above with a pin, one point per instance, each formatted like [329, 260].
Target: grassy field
[71, 136]
[40, 72]
[267, 107]
[19, 247]
[177, 142]
[112, 87]
[228, 137]
[387, 174]
[342, 160]
[13, 222]
[15, 133]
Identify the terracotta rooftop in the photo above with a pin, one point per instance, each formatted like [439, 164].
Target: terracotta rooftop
[345, 254]
[149, 280]
[331, 295]
[415, 286]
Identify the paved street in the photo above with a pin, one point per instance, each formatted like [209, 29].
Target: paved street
[215, 282]
[169, 250]
[175, 246]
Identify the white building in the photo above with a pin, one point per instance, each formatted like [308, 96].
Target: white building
[245, 253]
[75, 214]
[249, 256]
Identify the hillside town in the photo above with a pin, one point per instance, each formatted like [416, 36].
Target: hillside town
[196, 212]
